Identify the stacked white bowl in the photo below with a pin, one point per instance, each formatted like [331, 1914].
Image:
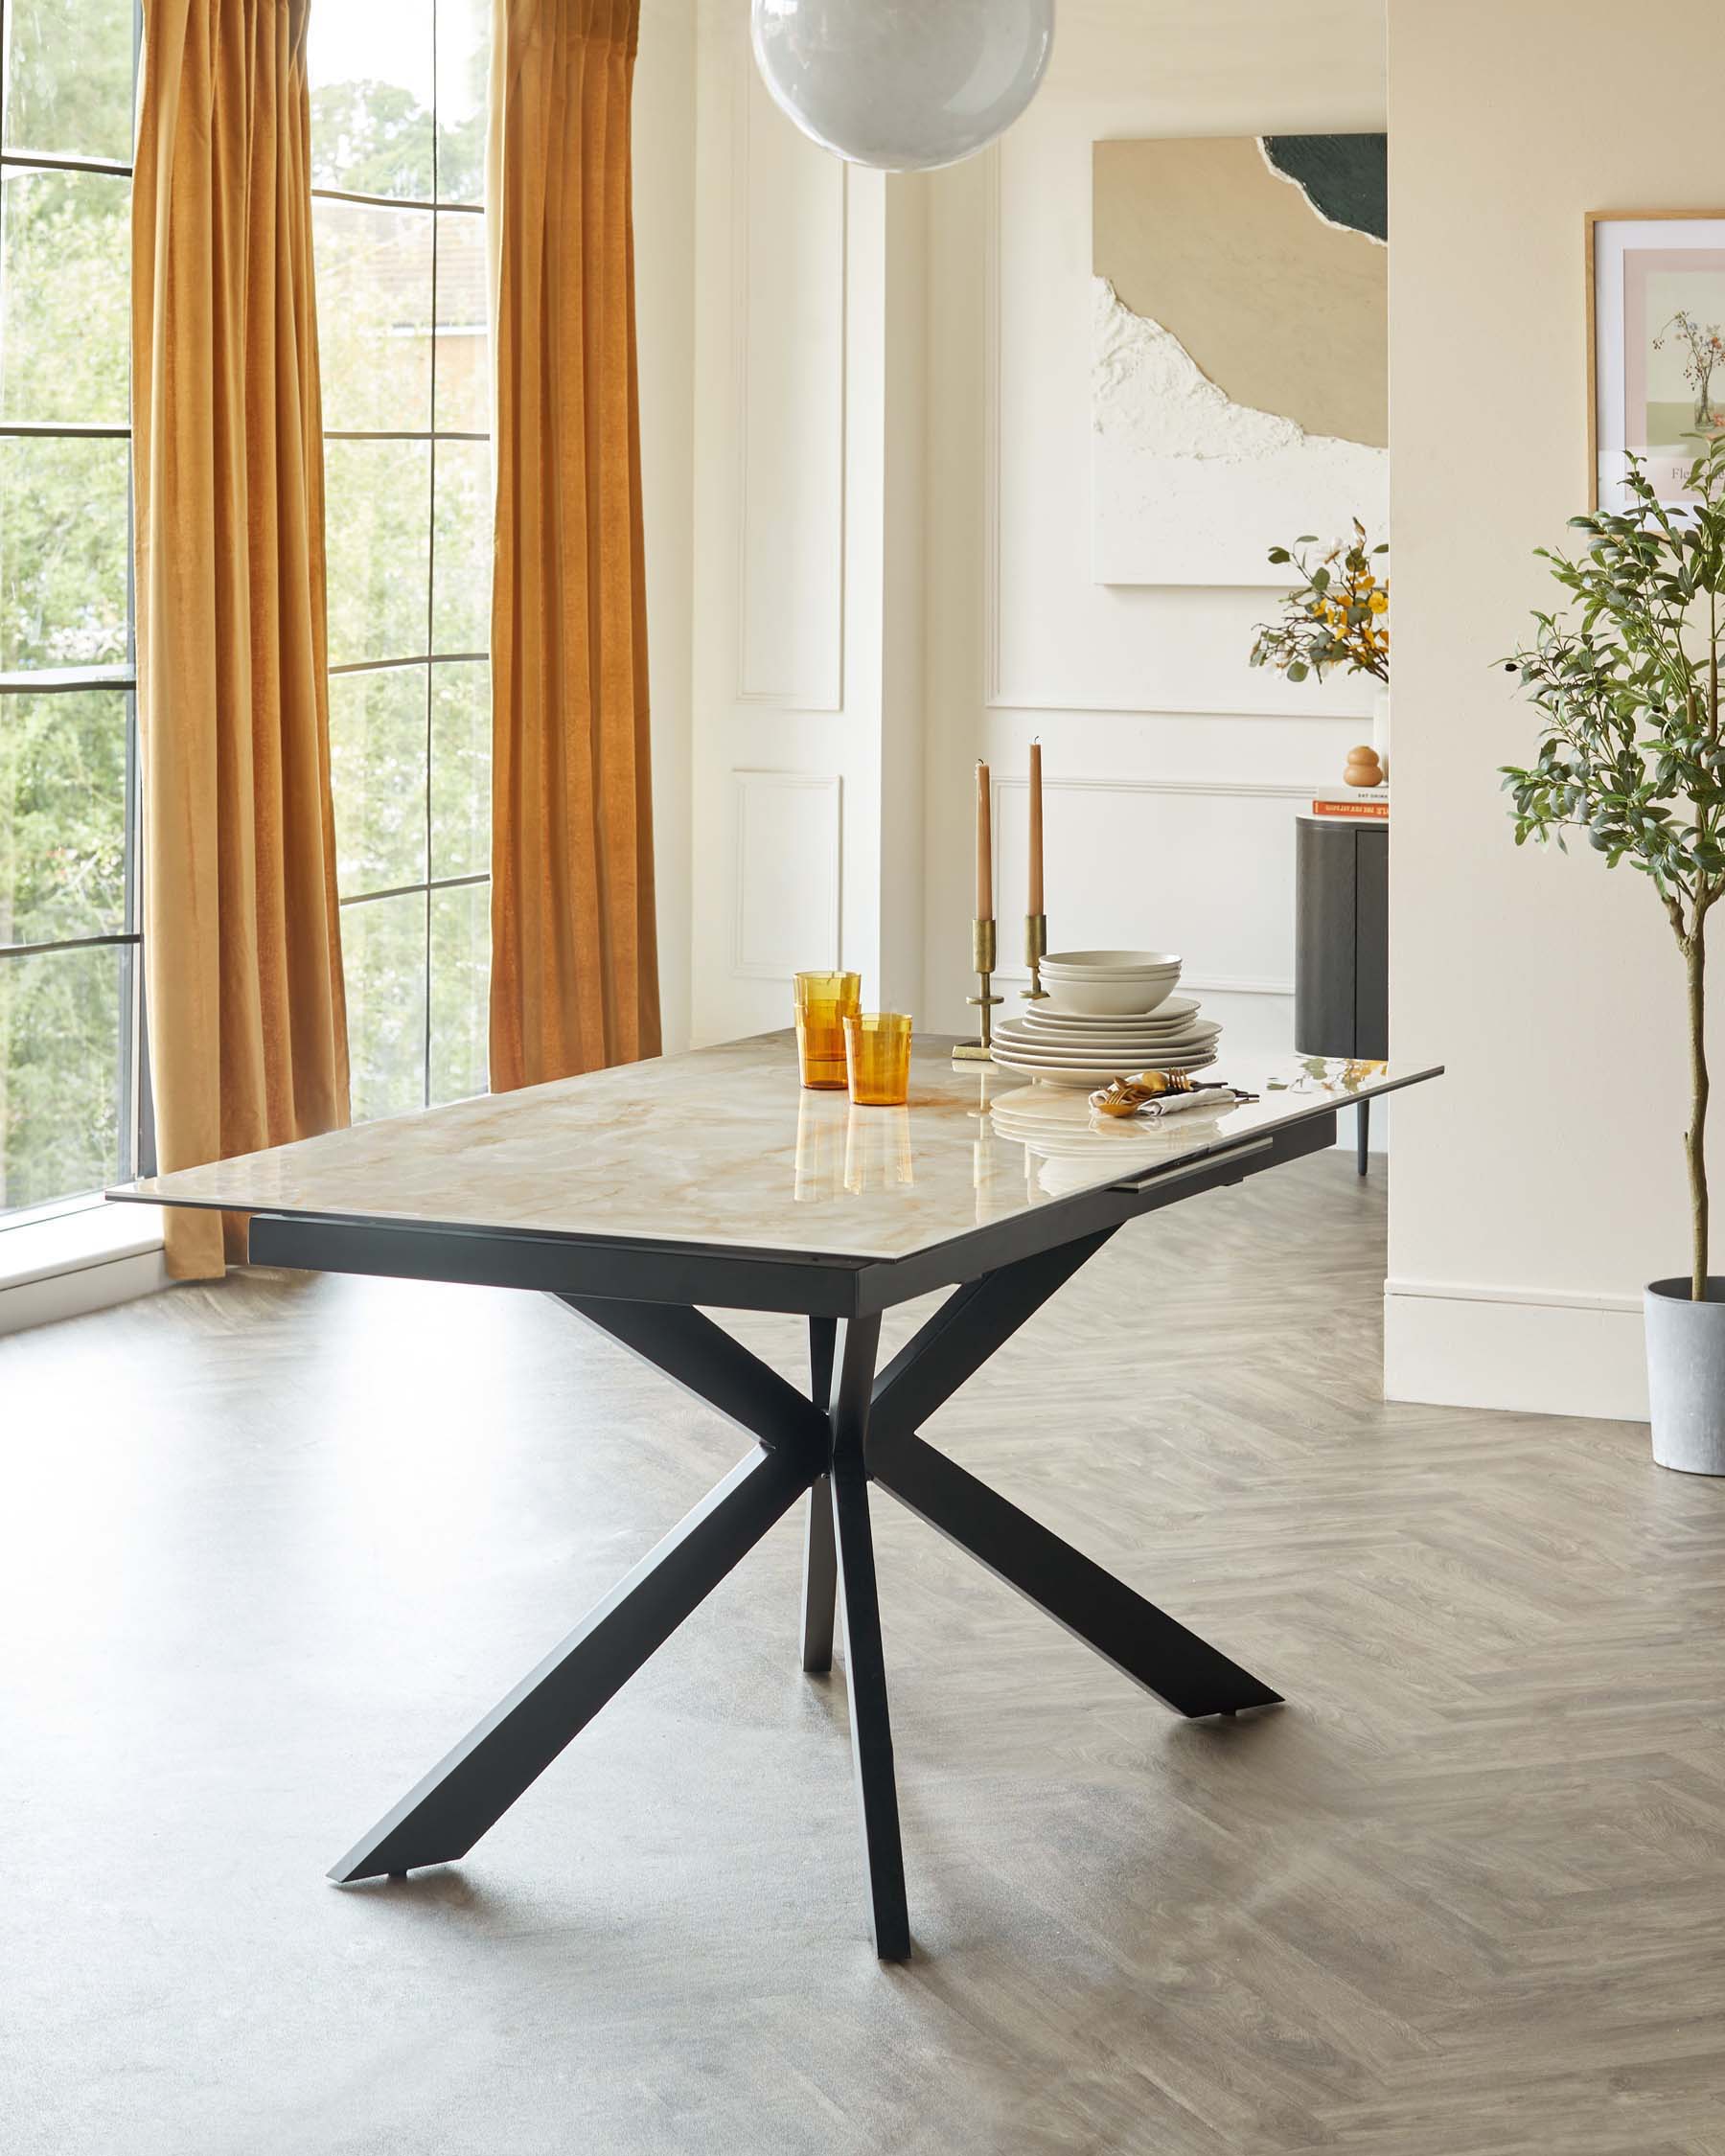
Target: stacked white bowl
[1108, 1013]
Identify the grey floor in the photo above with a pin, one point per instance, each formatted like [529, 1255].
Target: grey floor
[264, 1550]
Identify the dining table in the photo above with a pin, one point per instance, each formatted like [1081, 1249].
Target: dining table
[647, 1197]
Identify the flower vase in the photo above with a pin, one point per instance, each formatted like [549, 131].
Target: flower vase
[1380, 728]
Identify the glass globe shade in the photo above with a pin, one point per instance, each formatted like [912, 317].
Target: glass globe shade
[905, 85]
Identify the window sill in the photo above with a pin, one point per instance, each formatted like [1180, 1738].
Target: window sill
[78, 1262]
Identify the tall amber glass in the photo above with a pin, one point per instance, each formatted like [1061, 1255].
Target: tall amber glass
[823, 1003]
[877, 1055]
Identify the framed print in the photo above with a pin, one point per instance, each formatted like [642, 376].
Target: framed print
[1656, 346]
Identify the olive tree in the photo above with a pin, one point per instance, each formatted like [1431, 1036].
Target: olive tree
[1626, 680]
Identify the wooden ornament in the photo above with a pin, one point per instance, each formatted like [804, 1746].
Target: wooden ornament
[1362, 768]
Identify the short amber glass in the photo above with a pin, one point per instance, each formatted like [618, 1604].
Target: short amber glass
[823, 1003]
[877, 1056]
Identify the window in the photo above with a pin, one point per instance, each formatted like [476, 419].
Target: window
[68, 907]
[398, 93]
[398, 155]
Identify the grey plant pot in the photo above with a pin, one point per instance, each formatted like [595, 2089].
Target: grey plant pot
[1685, 1376]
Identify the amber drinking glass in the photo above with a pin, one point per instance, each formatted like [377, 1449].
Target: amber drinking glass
[823, 1003]
[877, 1055]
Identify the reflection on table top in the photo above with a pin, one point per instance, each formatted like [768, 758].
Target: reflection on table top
[722, 1145]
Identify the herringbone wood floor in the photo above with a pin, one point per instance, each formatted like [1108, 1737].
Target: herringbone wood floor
[265, 1550]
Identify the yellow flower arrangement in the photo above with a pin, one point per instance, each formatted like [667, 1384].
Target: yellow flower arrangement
[1337, 616]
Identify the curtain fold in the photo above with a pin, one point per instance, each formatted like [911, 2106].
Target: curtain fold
[241, 936]
[574, 954]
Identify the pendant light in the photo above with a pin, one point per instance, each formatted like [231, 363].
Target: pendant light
[904, 85]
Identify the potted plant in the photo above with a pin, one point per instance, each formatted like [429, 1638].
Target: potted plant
[1627, 681]
[1338, 614]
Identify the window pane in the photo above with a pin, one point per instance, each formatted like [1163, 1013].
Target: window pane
[69, 77]
[404, 341]
[65, 269]
[384, 956]
[377, 755]
[378, 526]
[461, 602]
[461, 722]
[62, 815]
[463, 342]
[463, 65]
[373, 315]
[460, 991]
[62, 552]
[371, 72]
[59, 1074]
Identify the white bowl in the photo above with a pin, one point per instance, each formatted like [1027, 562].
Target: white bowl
[1110, 983]
[1111, 962]
[1111, 995]
[1098, 973]
[1047, 1012]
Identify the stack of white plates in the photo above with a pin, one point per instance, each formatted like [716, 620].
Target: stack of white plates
[1068, 1042]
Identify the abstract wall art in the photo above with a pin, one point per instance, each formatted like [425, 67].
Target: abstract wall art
[1239, 352]
[1656, 346]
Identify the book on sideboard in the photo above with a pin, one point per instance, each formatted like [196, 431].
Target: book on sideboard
[1362, 804]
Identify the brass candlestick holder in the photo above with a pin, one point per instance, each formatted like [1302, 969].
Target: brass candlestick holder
[982, 963]
[1036, 950]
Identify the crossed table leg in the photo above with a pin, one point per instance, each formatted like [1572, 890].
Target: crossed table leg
[857, 1428]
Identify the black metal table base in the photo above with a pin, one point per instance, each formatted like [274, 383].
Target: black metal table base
[859, 1427]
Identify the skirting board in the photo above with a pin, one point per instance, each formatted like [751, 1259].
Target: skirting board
[75, 1295]
[79, 1262]
[1462, 1346]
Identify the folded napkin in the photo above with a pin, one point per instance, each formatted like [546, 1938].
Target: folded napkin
[1176, 1104]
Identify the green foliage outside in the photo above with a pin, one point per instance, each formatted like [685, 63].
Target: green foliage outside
[65, 546]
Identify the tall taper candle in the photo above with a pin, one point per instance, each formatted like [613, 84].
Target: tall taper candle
[1035, 903]
[984, 847]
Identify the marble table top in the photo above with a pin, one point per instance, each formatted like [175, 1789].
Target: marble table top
[722, 1146]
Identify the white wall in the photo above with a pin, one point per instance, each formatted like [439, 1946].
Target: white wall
[1173, 771]
[807, 747]
[1540, 1183]
[665, 190]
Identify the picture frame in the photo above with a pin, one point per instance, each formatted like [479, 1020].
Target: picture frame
[1655, 345]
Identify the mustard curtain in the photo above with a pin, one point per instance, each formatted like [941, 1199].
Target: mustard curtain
[241, 940]
[574, 956]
